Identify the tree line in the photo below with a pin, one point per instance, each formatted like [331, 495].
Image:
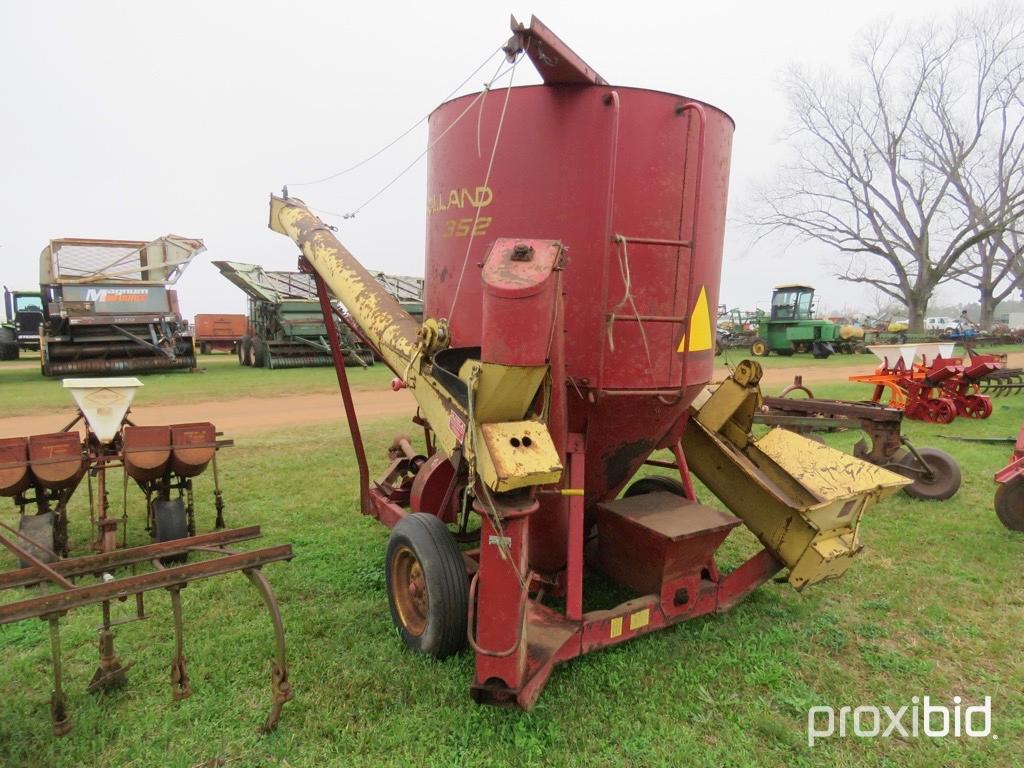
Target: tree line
[911, 167]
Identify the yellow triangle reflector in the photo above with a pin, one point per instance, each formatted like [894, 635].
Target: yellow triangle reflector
[700, 326]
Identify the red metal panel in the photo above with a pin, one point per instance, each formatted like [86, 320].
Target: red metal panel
[194, 446]
[14, 474]
[583, 164]
[56, 459]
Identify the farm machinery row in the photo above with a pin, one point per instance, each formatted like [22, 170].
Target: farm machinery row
[792, 326]
[42, 473]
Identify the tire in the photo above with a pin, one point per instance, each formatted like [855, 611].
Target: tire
[243, 350]
[759, 348]
[946, 470]
[204, 348]
[944, 410]
[170, 522]
[8, 344]
[432, 618]
[1010, 504]
[654, 484]
[257, 352]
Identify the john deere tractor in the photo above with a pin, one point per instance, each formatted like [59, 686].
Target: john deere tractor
[791, 327]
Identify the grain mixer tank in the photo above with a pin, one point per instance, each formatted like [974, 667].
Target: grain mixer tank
[633, 182]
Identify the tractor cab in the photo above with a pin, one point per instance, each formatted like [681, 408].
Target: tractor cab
[23, 312]
[793, 302]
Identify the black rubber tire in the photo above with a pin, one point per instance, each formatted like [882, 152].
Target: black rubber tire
[1010, 504]
[257, 352]
[784, 352]
[947, 475]
[170, 522]
[243, 350]
[655, 483]
[447, 588]
[8, 344]
[759, 348]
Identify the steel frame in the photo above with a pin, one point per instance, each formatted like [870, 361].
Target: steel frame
[69, 595]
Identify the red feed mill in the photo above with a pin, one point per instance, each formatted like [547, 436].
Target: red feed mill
[571, 264]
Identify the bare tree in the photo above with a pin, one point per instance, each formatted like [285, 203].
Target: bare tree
[884, 156]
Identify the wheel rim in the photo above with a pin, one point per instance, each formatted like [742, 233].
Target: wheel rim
[758, 348]
[409, 588]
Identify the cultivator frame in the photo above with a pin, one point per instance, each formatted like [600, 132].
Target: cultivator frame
[67, 595]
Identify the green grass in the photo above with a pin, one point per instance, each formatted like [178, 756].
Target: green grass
[934, 606]
[219, 377]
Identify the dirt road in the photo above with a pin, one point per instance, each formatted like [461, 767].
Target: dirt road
[240, 416]
[257, 414]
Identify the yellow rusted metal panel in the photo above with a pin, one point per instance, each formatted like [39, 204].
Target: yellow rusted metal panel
[803, 500]
[516, 454]
[394, 332]
[824, 471]
[503, 392]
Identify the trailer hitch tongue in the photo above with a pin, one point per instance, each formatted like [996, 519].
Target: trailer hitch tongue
[803, 500]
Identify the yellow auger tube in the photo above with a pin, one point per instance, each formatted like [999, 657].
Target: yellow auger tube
[390, 328]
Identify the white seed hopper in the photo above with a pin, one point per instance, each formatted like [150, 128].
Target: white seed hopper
[888, 354]
[103, 402]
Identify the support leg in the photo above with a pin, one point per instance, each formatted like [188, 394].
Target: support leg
[58, 703]
[280, 686]
[181, 688]
[111, 673]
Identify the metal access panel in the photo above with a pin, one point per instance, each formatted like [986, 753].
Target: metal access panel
[119, 299]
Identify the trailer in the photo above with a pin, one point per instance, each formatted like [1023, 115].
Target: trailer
[219, 333]
[108, 306]
[547, 373]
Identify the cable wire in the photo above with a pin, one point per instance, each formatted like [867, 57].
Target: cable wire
[402, 135]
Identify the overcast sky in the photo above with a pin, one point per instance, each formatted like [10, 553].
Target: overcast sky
[138, 119]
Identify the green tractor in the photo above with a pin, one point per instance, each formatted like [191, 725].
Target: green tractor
[791, 327]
